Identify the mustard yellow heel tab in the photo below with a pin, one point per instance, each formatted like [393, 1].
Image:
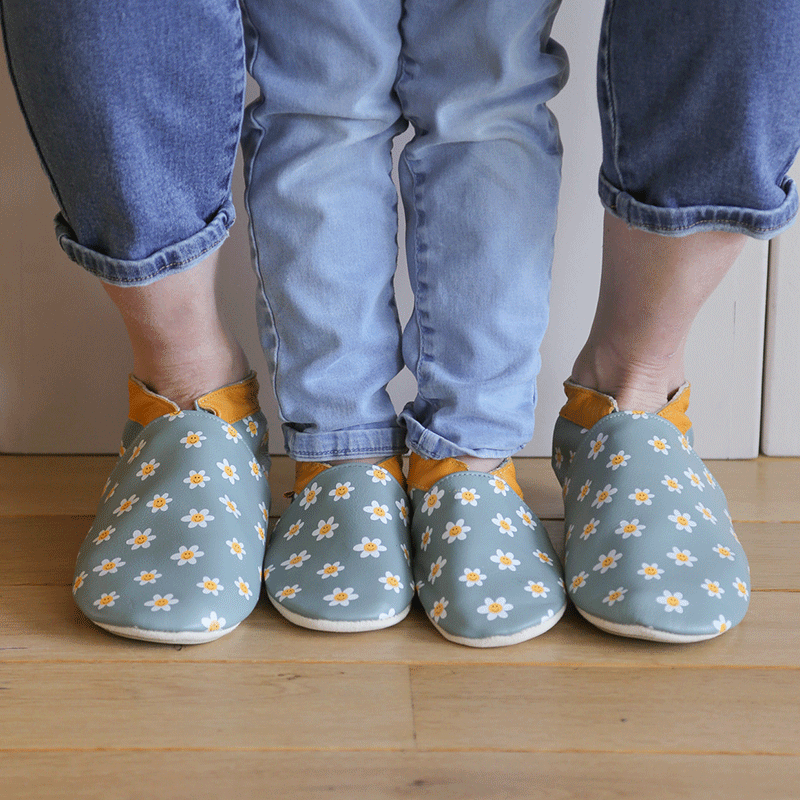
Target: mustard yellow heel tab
[425, 472]
[230, 403]
[586, 406]
[306, 471]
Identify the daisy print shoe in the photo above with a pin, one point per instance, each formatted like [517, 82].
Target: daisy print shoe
[485, 571]
[339, 557]
[651, 552]
[176, 549]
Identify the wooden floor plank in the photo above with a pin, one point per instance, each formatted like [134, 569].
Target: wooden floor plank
[487, 707]
[42, 624]
[165, 706]
[378, 776]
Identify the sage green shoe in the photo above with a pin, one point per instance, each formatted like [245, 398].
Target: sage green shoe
[175, 552]
[339, 557]
[486, 572]
[651, 552]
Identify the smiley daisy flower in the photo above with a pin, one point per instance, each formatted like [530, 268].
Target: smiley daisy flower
[468, 497]
[682, 557]
[721, 624]
[136, 450]
[325, 529]
[109, 567]
[106, 600]
[378, 512]
[141, 539]
[438, 611]
[589, 528]
[341, 597]
[197, 518]
[330, 570]
[262, 534]
[685, 444]
[710, 479]
[605, 495]
[713, 588]
[694, 479]
[618, 460]
[310, 495]
[402, 510]
[432, 500]
[650, 572]
[147, 469]
[104, 535]
[607, 561]
[197, 479]
[707, 513]
[499, 485]
[187, 555]
[597, 446]
[228, 471]
[584, 490]
[125, 506]
[369, 547]
[378, 475]
[436, 569]
[237, 548]
[341, 492]
[741, 588]
[230, 506]
[146, 577]
[724, 552]
[565, 487]
[231, 433]
[456, 531]
[162, 603]
[211, 586]
[672, 602]
[615, 596]
[212, 622]
[294, 529]
[406, 554]
[296, 560]
[495, 608]
[527, 518]
[391, 582]
[288, 593]
[543, 557]
[262, 507]
[504, 524]
[505, 560]
[579, 581]
[642, 497]
[472, 577]
[630, 528]
[193, 439]
[173, 415]
[659, 445]
[426, 538]
[537, 589]
[79, 581]
[244, 588]
[683, 522]
[558, 457]
[160, 502]
[252, 426]
[255, 469]
[672, 484]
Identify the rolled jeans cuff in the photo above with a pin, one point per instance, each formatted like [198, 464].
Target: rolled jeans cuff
[378, 443]
[682, 221]
[168, 260]
[426, 443]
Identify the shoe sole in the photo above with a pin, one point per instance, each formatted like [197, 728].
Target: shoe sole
[340, 626]
[649, 634]
[167, 637]
[505, 641]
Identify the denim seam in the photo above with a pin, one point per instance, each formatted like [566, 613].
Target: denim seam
[613, 122]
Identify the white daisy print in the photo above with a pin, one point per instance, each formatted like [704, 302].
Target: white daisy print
[330, 570]
[193, 439]
[672, 602]
[672, 484]
[262, 507]
[228, 471]
[499, 485]
[402, 510]
[455, 531]
[721, 624]
[472, 577]
[136, 450]
[148, 468]
[159, 603]
[543, 557]
[378, 512]
[197, 479]
[230, 506]
[370, 547]
[642, 497]
[141, 539]
[262, 534]
[605, 495]
[638, 414]
[495, 608]
[438, 611]
[391, 582]
[527, 518]
[741, 588]
[310, 495]
[607, 562]
[252, 426]
[683, 522]
[558, 457]
[341, 597]
[578, 582]
[231, 432]
[659, 445]
[197, 518]
[146, 577]
[255, 469]
[237, 548]
[694, 479]
[341, 492]
[628, 528]
[615, 596]
[584, 490]
[682, 557]
[537, 589]
[618, 460]
[406, 554]
[296, 560]
[597, 446]
[707, 513]
[468, 497]
[288, 592]
[325, 529]
[106, 600]
[211, 586]
[426, 539]
[104, 535]
[504, 524]
[710, 479]
[173, 415]
[125, 506]
[160, 502]
[650, 572]
[187, 555]
[387, 614]
[294, 529]
[436, 569]
[432, 500]
[267, 572]
[713, 588]
[589, 528]
[378, 475]
[505, 560]
[79, 581]
[724, 552]
[212, 622]
[109, 567]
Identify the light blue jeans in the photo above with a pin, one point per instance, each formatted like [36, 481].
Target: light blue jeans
[137, 111]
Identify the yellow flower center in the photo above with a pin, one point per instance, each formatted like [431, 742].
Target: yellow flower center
[602, 496]
[256, 470]
[310, 495]
[340, 596]
[682, 520]
[495, 608]
[432, 500]
[370, 547]
[341, 491]
[214, 626]
[426, 537]
[584, 491]
[186, 555]
[617, 459]
[614, 596]
[455, 531]
[162, 602]
[295, 560]
[437, 610]
[193, 439]
[608, 561]
[742, 588]
[472, 576]
[106, 599]
[210, 585]
[392, 581]
[576, 581]
[379, 511]
[597, 447]
[125, 505]
[658, 444]
[159, 502]
[544, 558]
[141, 539]
[198, 517]
[650, 571]
[330, 569]
[629, 528]
[252, 427]
[505, 560]
[434, 569]
[468, 496]
[379, 474]
[713, 588]
[287, 592]
[196, 478]
[147, 469]
[589, 529]
[682, 557]
[723, 627]
[505, 525]
[673, 601]
[232, 431]
[642, 496]
[537, 588]
[723, 551]
[325, 530]
[228, 471]
[148, 576]
[103, 535]
[110, 566]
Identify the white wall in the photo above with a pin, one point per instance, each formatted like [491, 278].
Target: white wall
[64, 356]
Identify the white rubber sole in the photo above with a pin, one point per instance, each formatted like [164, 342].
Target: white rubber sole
[505, 641]
[339, 626]
[167, 637]
[642, 632]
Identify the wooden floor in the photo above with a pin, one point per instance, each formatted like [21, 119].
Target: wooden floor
[273, 711]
